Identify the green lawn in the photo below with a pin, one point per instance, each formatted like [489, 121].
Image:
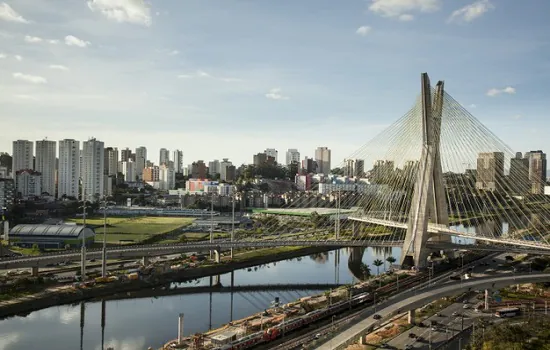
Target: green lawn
[136, 229]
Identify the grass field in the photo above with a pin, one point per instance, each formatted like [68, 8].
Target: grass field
[136, 229]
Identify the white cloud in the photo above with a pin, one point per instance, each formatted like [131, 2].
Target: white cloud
[275, 94]
[58, 67]
[32, 39]
[398, 8]
[34, 79]
[203, 74]
[7, 13]
[19, 58]
[3, 55]
[174, 53]
[363, 30]
[507, 90]
[74, 41]
[470, 12]
[406, 17]
[472, 106]
[53, 41]
[25, 97]
[131, 11]
[185, 76]
[517, 116]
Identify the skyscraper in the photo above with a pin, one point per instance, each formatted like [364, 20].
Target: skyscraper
[537, 171]
[22, 156]
[164, 156]
[224, 164]
[125, 154]
[272, 152]
[92, 169]
[292, 156]
[518, 181]
[213, 167]
[322, 157]
[141, 159]
[354, 167]
[178, 161]
[68, 174]
[490, 170]
[45, 165]
[111, 161]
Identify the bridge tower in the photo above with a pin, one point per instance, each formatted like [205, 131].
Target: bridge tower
[429, 202]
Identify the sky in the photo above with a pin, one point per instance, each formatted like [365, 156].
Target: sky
[230, 78]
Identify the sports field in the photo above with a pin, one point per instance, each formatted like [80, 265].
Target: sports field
[136, 229]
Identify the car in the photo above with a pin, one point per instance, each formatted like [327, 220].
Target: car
[412, 335]
[464, 301]
[318, 335]
[466, 306]
[377, 317]
[420, 339]
[434, 329]
[440, 315]
[456, 314]
[408, 347]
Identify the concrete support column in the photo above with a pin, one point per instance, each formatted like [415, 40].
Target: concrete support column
[487, 298]
[411, 316]
[354, 229]
[34, 271]
[217, 258]
[216, 280]
[145, 261]
[180, 329]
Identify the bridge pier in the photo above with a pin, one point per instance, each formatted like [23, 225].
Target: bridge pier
[145, 261]
[355, 229]
[411, 316]
[34, 271]
[487, 298]
[217, 258]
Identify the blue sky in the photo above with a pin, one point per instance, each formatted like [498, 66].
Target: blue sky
[227, 78]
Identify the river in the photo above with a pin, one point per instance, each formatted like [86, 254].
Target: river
[135, 324]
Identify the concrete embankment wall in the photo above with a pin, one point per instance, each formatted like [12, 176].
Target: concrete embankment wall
[115, 289]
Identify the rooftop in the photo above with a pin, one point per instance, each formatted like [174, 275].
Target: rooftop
[47, 230]
[304, 211]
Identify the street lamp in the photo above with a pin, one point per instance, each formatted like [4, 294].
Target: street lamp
[104, 250]
[83, 251]
[232, 220]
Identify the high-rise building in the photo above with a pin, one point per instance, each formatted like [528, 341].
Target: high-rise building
[111, 161]
[4, 174]
[27, 183]
[322, 157]
[272, 152]
[164, 156]
[45, 165]
[490, 171]
[128, 170]
[223, 168]
[167, 177]
[292, 156]
[92, 169]
[22, 156]
[141, 159]
[518, 180]
[7, 193]
[308, 166]
[230, 173]
[178, 161]
[151, 174]
[214, 168]
[198, 170]
[68, 174]
[125, 155]
[354, 167]
[537, 171]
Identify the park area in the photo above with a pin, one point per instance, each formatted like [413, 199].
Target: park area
[126, 230]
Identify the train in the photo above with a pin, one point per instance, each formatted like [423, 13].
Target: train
[274, 332]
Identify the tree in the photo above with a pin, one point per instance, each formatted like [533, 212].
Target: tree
[390, 259]
[337, 171]
[378, 263]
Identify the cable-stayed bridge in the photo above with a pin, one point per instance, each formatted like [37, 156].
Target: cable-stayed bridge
[439, 179]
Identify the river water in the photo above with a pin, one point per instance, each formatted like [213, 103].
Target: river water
[135, 324]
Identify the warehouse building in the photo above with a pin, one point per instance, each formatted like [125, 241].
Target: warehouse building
[51, 236]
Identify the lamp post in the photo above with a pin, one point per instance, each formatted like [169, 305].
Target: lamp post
[232, 222]
[83, 251]
[211, 222]
[104, 250]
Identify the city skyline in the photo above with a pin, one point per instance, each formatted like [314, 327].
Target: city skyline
[98, 63]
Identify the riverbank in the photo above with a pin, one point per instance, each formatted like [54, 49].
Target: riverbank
[67, 294]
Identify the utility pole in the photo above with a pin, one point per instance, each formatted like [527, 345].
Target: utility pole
[104, 251]
[211, 222]
[232, 223]
[83, 252]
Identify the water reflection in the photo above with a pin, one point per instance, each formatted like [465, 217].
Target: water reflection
[139, 323]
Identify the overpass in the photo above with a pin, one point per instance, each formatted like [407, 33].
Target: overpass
[122, 252]
[416, 298]
[157, 292]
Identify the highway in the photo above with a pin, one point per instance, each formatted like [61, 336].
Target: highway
[417, 297]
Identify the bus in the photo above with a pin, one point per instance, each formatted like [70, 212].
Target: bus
[508, 312]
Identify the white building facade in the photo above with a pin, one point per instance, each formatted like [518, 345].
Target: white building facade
[28, 183]
[322, 157]
[68, 174]
[164, 156]
[92, 169]
[292, 156]
[178, 161]
[111, 161]
[141, 159]
[22, 155]
[223, 168]
[167, 178]
[272, 152]
[45, 165]
[129, 170]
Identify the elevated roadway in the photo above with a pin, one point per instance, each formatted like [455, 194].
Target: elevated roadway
[416, 298]
[123, 252]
